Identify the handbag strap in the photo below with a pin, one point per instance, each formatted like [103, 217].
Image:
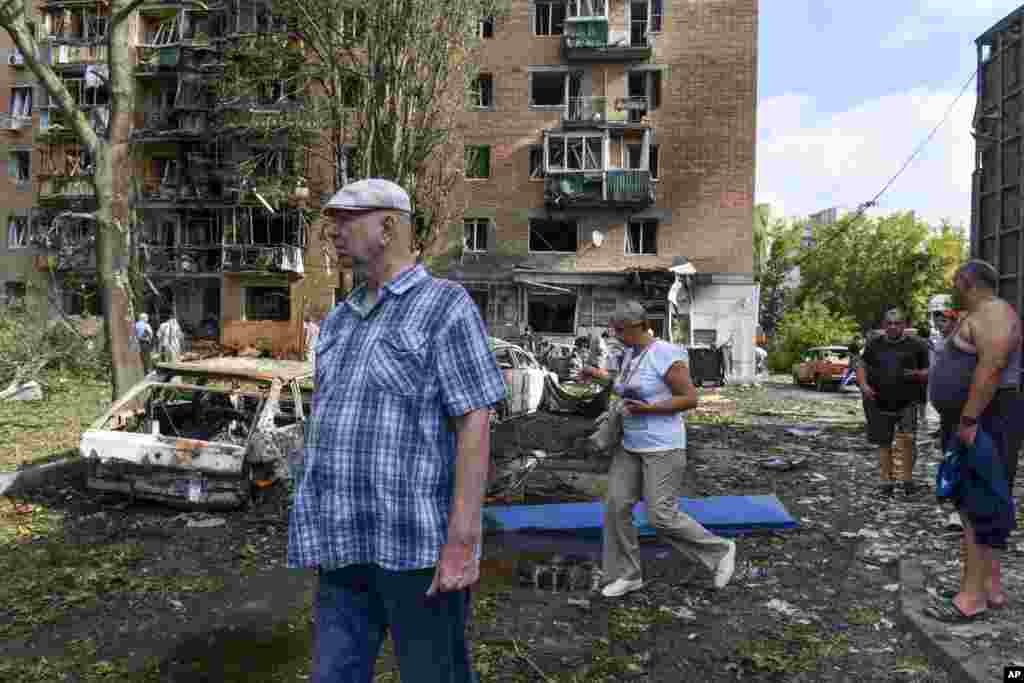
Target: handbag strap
[635, 365]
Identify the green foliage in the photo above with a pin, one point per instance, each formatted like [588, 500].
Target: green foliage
[805, 327]
[776, 245]
[859, 266]
[29, 349]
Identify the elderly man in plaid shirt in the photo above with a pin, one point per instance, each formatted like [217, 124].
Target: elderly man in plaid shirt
[396, 457]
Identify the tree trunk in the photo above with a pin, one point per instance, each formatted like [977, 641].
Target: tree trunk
[114, 221]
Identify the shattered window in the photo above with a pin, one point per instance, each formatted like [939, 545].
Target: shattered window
[267, 303]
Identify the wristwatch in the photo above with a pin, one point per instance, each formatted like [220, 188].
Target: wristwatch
[968, 421]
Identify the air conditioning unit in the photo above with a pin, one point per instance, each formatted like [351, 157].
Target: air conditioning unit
[598, 116]
[15, 59]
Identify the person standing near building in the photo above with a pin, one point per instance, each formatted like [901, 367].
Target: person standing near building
[976, 385]
[144, 338]
[655, 384]
[170, 339]
[892, 376]
[396, 454]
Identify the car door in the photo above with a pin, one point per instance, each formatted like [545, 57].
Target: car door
[513, 382]
[533, 377]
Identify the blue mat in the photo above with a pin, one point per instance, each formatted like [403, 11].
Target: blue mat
[724, 515]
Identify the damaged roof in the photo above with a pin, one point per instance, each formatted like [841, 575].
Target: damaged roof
[244, 368]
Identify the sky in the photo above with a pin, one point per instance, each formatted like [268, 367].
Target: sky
[848, 90]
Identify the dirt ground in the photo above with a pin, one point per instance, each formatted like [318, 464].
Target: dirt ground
[98, 589]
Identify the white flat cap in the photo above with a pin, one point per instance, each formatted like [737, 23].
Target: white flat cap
[370, 194]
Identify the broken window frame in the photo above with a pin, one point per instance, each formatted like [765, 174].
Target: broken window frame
[482, 91]
[283, 314]
[474, 238]
[542, 240]
[478, 162]
[589, 150]
[485, 29]
[545, 21]
[21, 106]
[587, 8]
[20, 162]
[641, 237]
[536, 162]
[563, 73]
[18, 234]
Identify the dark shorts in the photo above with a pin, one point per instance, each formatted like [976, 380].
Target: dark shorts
[883, 424]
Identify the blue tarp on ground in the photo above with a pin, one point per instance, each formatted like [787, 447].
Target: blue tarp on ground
[724, 515]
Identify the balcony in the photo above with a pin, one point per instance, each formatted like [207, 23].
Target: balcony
[593, 189]
[590, 112]
[14, 122]
[587, 39]
[226, 258]
[65, 189]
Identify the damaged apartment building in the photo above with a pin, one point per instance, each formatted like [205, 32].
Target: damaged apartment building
[220, 236]
[606, 142]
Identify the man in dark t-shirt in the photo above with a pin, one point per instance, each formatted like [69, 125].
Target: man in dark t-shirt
[892, 377]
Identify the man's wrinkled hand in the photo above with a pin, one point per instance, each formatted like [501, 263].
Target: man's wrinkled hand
[457, 568]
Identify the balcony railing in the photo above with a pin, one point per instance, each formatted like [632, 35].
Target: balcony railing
[615, 187]
[589, 39]
[604, 110]
[192, 260]
[65, 187]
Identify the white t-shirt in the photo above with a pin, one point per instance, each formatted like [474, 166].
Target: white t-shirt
[651, 433]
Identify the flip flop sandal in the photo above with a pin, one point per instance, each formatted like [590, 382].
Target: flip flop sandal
[948, 613]
[999, 605]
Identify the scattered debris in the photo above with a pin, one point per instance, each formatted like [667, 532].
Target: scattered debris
[207, 523]
[786, 609]
[26, 391]
[680, 612]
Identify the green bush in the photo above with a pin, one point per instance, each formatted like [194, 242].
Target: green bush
[781, 362]
[31, 349]
[806, 327]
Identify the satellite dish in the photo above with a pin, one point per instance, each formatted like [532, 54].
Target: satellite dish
[597, 237]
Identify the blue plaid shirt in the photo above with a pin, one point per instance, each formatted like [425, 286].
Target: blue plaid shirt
[380, 449]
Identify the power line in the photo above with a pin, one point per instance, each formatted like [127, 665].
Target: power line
[920, 147]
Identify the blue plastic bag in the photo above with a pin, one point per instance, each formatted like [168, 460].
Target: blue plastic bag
[947, 478]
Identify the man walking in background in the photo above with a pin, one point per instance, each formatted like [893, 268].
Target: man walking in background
[892, 376]
[170, 339]
[144, 338]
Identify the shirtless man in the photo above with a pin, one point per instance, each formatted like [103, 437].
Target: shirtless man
[980, 370]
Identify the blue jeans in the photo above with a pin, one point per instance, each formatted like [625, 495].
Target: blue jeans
[354, 606]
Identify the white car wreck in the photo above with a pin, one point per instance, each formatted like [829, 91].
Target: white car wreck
[202, 434]
[525, 380]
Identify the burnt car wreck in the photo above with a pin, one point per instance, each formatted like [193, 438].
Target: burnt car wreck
[203, 434]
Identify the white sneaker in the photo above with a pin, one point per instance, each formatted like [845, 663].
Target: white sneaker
[620, 587]
[726, 566]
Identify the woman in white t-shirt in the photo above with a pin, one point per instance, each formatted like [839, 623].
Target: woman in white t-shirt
[654, 382]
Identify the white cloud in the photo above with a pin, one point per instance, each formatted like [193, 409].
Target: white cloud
[946, 16]
[808, 161]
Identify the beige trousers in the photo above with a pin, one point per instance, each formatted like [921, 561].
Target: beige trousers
[658, 477]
